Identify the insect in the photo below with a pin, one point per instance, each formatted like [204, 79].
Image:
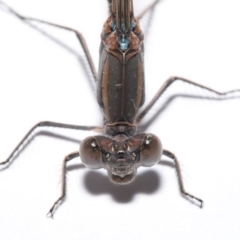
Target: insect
[121, 149]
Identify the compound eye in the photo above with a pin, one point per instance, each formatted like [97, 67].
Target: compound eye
[151, 150]
[90, 153]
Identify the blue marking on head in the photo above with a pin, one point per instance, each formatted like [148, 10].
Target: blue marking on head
[132, 25]
[123, 42]
[123, 28]
[113, 26]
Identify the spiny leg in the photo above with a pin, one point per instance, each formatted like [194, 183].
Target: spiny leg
[180, 181]
[78, 34]
[148, 8]
[48, 124]
[167, 84]
[63, 192]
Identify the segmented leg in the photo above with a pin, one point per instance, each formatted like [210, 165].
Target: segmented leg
[48, 124]
[148, 8]
[180, 181]
[78, 34]
[167, 84]
[63, 192]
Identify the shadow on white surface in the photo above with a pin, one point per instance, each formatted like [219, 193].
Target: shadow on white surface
[198, 40]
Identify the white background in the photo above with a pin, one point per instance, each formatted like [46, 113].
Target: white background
[40, 80]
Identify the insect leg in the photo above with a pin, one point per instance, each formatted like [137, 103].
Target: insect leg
[180, 181]
[63, 192]
[48, 124]
[78, 34]
[168, 83]
[148, 8]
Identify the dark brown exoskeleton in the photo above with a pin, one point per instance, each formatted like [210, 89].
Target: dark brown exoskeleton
[120, 93]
